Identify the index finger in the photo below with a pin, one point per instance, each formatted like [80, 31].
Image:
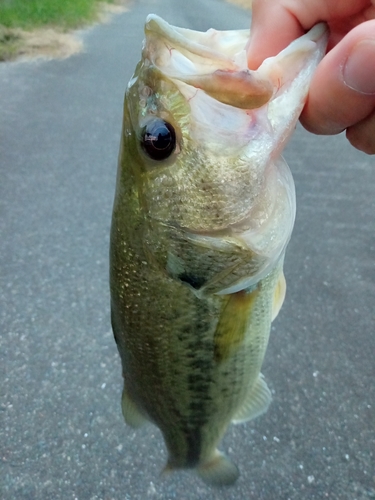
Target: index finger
[276, 23]
[273, 27]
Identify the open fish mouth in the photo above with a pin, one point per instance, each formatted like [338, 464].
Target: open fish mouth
[216, 62]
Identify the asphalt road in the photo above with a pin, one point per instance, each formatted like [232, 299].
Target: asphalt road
[62, 435]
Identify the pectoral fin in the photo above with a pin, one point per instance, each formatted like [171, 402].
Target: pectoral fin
[233, 324]
[132, 415]
[256, 402]
[279, 295]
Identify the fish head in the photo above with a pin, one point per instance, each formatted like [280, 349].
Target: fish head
[205, 136]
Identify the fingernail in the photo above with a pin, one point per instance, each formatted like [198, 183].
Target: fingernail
[359, 68]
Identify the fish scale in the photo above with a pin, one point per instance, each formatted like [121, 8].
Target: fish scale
[203, 211]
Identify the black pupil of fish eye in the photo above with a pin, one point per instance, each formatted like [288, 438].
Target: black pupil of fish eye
[158, 139]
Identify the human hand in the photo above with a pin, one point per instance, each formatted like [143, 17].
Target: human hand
[342, 93]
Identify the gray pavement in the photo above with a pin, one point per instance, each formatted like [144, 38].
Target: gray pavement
[61, 431]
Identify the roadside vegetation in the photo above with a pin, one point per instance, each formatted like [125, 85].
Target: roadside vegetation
[18, 17]
[245, 4]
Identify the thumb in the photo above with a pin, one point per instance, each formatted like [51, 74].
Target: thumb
[342, 92]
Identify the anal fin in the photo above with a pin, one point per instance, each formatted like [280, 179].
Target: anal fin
[256, 402]
[219, 471]
[132, 415]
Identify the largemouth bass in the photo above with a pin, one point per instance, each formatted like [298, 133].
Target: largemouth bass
[203, 211]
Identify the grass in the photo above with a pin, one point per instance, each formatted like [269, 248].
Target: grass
[17, 16]
[29, 14]
[10, 43]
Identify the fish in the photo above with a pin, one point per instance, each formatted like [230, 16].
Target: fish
[204, 209]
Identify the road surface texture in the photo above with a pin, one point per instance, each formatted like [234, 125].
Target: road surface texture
[62, 436]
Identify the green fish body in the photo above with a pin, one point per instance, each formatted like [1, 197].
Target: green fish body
[203, 211]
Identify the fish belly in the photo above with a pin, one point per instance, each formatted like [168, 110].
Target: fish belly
[189, 363]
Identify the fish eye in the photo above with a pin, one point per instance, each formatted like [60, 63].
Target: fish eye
[158, 139]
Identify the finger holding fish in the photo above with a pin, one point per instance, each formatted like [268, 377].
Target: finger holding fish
[342, 92]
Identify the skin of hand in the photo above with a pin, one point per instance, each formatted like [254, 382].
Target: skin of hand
[342, 93]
